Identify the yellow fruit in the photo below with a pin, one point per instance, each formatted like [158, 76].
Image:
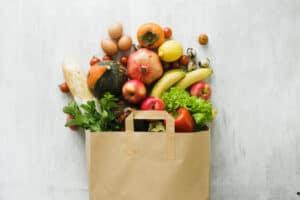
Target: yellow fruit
[169, 78]
[170, 51]
[193, 77]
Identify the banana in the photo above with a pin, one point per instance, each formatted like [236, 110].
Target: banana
[193, 77]
[169, 78]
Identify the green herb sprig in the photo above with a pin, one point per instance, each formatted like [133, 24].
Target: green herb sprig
[94, 115]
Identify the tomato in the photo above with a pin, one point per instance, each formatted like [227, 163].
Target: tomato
[184, 60]
[94, 60]
[124, 60]
[64, 88]
[70, 117]
[167, 32]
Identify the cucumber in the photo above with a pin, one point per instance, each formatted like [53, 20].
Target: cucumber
[193, 77]
[169, 78]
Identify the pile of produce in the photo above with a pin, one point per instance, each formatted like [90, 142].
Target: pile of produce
[155, 74]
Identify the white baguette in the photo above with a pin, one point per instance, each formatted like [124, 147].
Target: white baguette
[77, 81]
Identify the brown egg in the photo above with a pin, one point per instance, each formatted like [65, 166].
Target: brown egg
[125, 43]
[115, 31]
[109, 47]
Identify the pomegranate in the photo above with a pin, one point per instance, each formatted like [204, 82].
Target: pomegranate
[144, 65]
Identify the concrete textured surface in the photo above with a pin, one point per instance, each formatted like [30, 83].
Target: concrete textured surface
[254, 47]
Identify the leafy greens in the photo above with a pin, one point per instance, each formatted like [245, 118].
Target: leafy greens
[94, 115]
[201, 110]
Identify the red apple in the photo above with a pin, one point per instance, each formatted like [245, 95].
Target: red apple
[152, 103]
[134, 91]
[144, 65]
[201, 89]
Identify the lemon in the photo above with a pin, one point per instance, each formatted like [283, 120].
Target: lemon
[170, 51]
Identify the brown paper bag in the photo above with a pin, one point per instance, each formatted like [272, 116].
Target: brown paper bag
[148, 166]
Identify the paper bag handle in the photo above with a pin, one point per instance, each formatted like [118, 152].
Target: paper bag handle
[170, 130]
[163, 115]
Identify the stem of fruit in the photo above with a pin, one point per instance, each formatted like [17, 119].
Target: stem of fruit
[144, 69]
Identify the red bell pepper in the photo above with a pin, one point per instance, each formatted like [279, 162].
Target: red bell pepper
[184, 121]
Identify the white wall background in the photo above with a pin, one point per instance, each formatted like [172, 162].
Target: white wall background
[254, 47]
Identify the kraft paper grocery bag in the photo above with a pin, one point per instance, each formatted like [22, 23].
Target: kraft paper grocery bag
[148, 166]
